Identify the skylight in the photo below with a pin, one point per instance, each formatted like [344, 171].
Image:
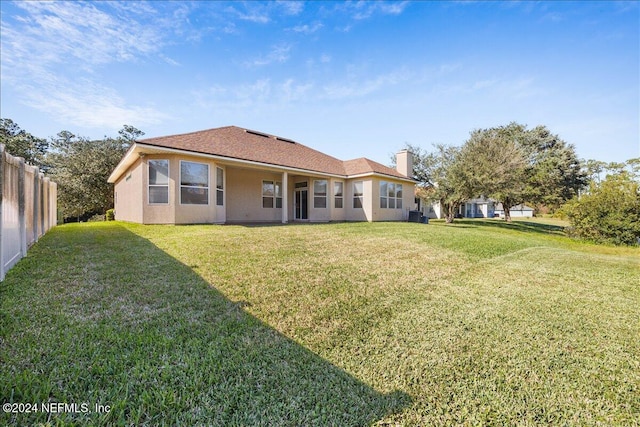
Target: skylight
[264, 135]
[285, 140]
[253, 132]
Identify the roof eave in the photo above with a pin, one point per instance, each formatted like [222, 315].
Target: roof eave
[129, 159]
[124, 164]
[384, 175]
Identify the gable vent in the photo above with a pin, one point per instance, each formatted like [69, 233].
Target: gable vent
[253, 132]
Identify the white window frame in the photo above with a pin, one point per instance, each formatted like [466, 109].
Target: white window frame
[384, 204]
[392, 195]
[220, 186]
[276, 197]
[359, 197]
[208, 187]
[317, 197]
[338, 195]
[149, 185]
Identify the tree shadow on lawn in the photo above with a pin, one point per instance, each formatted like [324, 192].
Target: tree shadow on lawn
[524, 226]
[149, 337]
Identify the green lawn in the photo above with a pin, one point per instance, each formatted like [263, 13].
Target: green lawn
[476, 323]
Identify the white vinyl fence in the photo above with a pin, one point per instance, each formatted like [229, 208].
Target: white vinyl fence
[27, 208]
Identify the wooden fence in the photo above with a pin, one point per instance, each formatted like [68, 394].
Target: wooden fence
[27, 208]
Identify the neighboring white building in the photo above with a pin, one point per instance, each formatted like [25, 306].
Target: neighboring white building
[473, 208]
[517, 211]
[476, 208]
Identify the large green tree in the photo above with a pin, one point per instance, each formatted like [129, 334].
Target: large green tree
[81, 167]
[555, 174]
[439, 177]
[514, 165]
[21, 143]
[495, 164]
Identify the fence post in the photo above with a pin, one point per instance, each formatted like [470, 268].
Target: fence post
[47, 199]
[22, 207]
[2, 165]
[41, 202]
[36, 205]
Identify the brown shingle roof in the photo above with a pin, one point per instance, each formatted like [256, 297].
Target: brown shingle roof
[363, 166]
[238, 143]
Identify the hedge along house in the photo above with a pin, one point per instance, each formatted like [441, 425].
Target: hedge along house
[235, 175]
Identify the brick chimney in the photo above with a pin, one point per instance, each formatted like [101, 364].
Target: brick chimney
[404, 163]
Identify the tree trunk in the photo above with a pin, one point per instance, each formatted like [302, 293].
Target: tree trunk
[507, 214]
[450, 209]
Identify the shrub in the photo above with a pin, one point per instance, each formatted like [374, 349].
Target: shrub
[96, 218]
[609, 213]
[110, 215]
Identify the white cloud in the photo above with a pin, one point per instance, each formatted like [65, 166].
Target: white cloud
[512, 88]
[393, 8]
[291, 7]
[51, 40]
[252, 12]
[88, 104]
[278, 53]
[291, 91]
[355, 88]
[307, 29]
[361, 10]
[58, 31]
[262, 12]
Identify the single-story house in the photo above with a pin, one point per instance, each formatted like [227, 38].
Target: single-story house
[236, 175]
[517, 211]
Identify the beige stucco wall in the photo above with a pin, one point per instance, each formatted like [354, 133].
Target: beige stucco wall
[160, 213]
[359, 214]
[243, 196]
[128, 193]
[244, 201]
[132, 195]
[193, 214]
[320, 214]
[387, 214]
[338, 214]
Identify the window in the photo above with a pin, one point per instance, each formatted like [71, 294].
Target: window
[219, 186]
[159, 182]
[194, 183]
[390, 195]
[337, 194]
[271, 194]
[268, 193]
[383, 194]
[358, 194]
[320, 193]
[278, 195]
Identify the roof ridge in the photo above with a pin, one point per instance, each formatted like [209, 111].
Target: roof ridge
[188, 133]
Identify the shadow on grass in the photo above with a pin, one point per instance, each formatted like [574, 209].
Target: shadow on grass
[111, 319]
[524, 226]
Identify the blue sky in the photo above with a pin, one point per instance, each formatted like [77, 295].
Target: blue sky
[350, 79]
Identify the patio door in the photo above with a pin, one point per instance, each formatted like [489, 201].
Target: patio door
[301, 208]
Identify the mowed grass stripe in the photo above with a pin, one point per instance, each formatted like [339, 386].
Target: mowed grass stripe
[334, 324]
